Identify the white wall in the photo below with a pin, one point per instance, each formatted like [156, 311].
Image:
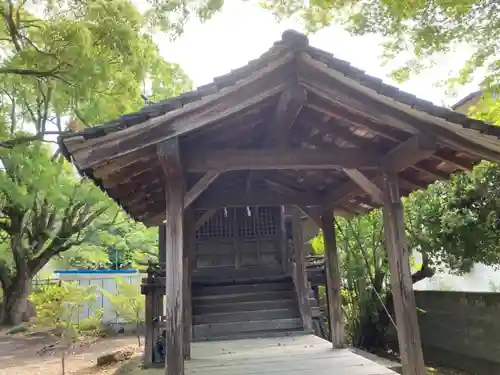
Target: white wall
[480, 279]
[103, 280]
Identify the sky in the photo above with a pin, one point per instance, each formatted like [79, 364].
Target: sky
[242, 31]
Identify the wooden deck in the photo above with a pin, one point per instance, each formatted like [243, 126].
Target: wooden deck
[293, 355]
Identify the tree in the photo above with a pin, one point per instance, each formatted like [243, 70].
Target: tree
[128, 304]
[125, 243]
[45, 210]
[88, 60]
[456, 223]
[66, 65]
[59, 308]
[367, 299]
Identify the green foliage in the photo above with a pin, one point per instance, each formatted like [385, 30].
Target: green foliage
[45, 211]
[364, 270]
[128, 304]
[59, 308]
[91, 324]
[89, 60]
[17, 329]
[456, 223]
[112, 242]
[67, 65]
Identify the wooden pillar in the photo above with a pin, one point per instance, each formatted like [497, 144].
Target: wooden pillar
[333, 285]
[169, 158]
[161, 245]
[149, 334]
[282, 240]
[410, 346]
[188, 263]
[300, 273]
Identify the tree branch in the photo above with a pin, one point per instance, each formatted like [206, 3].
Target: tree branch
[11, 143]
[32, 73]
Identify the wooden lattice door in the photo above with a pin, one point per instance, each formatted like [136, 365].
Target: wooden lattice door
[240, 240]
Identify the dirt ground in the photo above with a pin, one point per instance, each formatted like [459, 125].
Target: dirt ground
[19, 355]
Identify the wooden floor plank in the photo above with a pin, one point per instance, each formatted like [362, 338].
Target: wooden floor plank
[293, 355]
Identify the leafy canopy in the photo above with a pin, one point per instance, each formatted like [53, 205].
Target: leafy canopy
[66, 65]
[88, 59]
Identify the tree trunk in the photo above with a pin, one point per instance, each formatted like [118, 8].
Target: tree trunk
[138, 332]
[63, 362]
[15, 302]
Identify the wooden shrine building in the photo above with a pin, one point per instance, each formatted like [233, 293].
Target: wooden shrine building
[298, 128]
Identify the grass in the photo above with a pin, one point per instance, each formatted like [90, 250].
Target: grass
[133, 367]
[444, 371]
[17, 329]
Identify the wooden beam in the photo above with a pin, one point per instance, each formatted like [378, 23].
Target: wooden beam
[138, 172]
[339, 88]
[275, 159]
[391, 162]
[104, 170]
[300, 274]
[333, 279]
[199, 187]
[402, 286]
[364, 183]
[260, 197]
[159, 218]
[169, 157]
[412, 151]
[249, 92]
[204, 218]
[290, 104]
[313, 214]
[366, 122]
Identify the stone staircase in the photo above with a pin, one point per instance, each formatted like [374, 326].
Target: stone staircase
[246, 309]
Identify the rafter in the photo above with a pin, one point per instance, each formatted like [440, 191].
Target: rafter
[336, 87]
[366, 122]
[290, 104]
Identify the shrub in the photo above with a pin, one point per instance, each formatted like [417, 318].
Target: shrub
[129, 304]
[17, 329]
[59, 308]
